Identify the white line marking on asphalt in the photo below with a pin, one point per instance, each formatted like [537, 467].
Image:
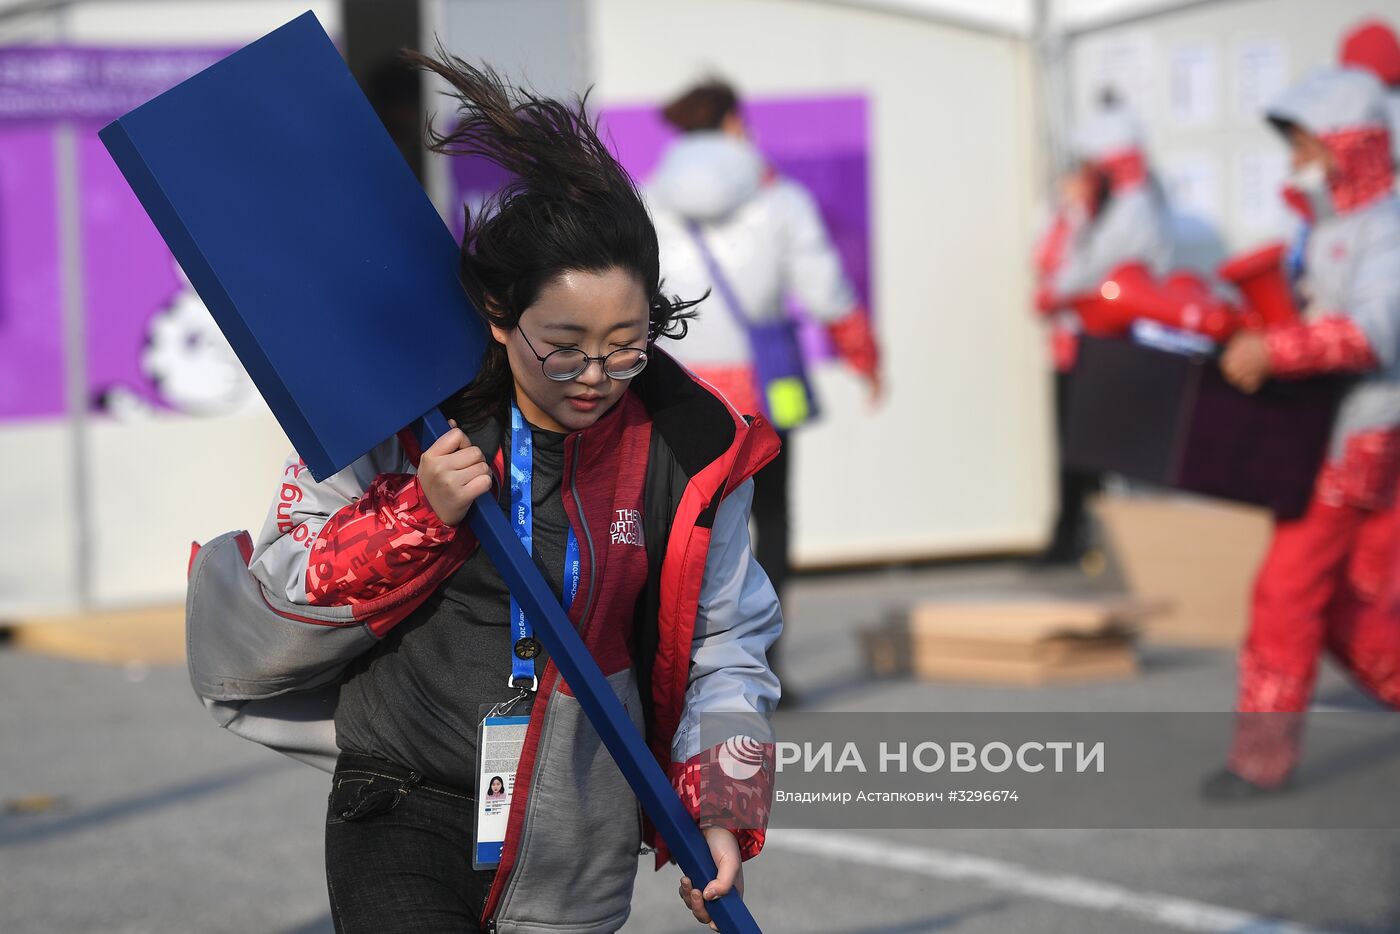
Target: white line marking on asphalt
[1180, 913]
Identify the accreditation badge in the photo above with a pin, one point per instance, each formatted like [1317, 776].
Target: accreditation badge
[500, 738]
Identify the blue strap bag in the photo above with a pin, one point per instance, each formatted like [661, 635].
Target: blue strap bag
[780, 370]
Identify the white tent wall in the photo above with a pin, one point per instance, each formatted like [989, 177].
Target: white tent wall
[39, 559]
[957, 460]
[146, 489]
[1195, 76]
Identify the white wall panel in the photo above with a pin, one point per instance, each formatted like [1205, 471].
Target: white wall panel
[957, 459]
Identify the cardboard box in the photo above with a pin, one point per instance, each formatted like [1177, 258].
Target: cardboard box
[1197, 558]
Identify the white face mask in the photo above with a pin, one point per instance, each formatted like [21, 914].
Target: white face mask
[1308, 192]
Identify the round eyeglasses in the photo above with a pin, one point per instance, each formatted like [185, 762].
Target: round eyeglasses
[570, 362]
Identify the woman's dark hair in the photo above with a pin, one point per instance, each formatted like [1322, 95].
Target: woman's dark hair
[568, 207]
[703, 107]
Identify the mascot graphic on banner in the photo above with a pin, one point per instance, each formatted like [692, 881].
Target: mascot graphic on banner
[190, 364]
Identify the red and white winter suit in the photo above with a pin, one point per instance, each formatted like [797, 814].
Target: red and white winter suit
[1131, 224]
[1324, 579]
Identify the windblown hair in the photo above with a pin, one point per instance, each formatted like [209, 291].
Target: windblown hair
[569, 206]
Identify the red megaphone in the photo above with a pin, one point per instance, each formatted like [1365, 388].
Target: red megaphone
[1182, 301]
[1102, 315]
[1198, 308]
[1260, 277]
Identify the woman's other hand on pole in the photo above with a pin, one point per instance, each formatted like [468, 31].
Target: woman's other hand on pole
[729, 874]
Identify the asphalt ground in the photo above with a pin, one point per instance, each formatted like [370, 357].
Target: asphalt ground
[127, 810]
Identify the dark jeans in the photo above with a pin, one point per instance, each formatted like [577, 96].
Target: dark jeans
[398, 853]
[770, 517]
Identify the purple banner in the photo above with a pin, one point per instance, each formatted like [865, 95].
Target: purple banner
[65, 83]
[31, 320]
[820, 142]
[151, 345]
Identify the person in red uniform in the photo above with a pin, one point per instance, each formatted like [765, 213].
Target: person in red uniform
[1112, 212]
[1324, 582]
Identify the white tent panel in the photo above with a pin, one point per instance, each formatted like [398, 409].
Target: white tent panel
[1012, 16]
[1019, 16]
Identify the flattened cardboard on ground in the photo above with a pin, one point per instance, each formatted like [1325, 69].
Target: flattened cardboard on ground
[1052, 650]
[1027, 620]
[1019, 642]
[1120, 662]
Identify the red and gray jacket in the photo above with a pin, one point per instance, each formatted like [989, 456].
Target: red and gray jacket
[680, 627]
[1133, 226]
[1352, 282]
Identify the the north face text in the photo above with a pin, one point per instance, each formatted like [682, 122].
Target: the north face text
[627, 527]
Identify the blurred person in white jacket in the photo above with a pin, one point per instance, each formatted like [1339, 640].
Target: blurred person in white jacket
[766, 239]
[1112, 211]
[1124, 217]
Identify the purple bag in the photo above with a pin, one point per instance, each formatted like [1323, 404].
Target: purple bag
[780, 369]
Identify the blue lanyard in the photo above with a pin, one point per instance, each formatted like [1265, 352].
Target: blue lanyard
[1297, 256]
[522, 463]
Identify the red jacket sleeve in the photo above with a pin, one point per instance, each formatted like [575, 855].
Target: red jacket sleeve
[854, 340]
[716, 798]
[376, 544]
[1330, 344]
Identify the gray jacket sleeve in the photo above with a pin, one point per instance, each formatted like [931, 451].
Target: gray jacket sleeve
[1133, 228]
[252, 632]
[301, 508]
[265, 663]
[732, 690]
[266, 668]
[1373, 300]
